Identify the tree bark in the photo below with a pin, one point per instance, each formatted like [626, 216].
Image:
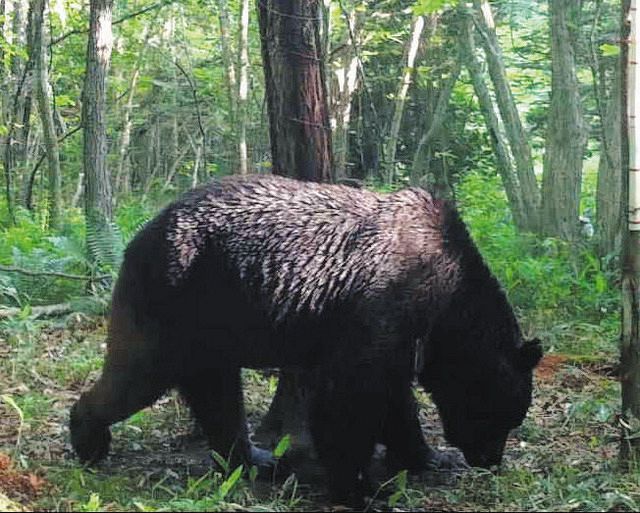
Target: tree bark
[121, 182]
[609, 194]
[516, 134]
[227, 52]
[98, 199]
[498, 141]
[566, 133]
[301, 147]
[630, 339]
[45, 102]
[295, 88]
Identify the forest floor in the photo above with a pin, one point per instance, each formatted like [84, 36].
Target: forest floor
[564, 456]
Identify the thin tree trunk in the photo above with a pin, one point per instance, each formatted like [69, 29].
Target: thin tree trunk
[197, 151]
[17, 95]
[609, 194]
[437, 118]
[46, 114]
[174, 168]
[492, 122]
[243, 87]
[401, 96]
[227, 52]
[121, 183]
[345, 85]
[79, 190]
[566, 133]
[516, 134]
[98, 199]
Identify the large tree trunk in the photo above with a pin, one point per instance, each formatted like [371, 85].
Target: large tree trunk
[43, 93]
[301, 148]
[566, 133]
[295, 89]
[98, 200]
[630, 340]
[516, 134]
[498, 141]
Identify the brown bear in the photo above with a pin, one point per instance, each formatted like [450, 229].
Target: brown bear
[337, 282]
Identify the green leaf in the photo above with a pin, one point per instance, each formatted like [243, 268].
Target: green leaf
[282, 447]
[395, 498]
[422, 7]
[609, 50]
[229, 483]
[224, 464]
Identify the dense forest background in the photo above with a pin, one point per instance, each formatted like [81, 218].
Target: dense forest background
[511, 108]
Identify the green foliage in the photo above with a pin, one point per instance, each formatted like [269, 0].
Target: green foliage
[106, 246]
[423, 7]
[282, 447]
[555, 283]
[28, 245]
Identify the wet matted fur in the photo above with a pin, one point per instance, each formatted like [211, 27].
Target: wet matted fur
[340, 282]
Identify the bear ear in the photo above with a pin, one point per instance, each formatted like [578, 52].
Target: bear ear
[530, 354]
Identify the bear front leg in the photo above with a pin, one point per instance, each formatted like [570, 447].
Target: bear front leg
[403, 436]
[125, 387]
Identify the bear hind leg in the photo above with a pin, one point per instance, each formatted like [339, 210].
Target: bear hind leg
[346, 414]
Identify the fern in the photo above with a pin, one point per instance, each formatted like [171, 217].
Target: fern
[106, 247]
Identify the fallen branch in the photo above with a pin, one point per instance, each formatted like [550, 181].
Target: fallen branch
[66, 276]
[37, 311]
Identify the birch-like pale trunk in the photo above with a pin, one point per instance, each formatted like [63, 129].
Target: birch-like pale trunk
[45, 108]
[121, 182]
[229, 65]
[346, 80]
[401, 96]
[630, 340]
[243, 88]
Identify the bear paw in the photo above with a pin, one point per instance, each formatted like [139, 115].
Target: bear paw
[89, 438]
